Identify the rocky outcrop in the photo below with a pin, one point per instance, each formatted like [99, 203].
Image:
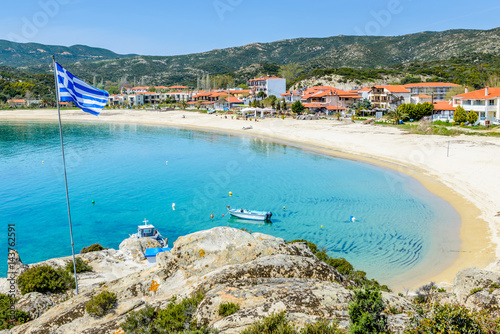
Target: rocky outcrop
[477, 289]
[261, 273]
[35, 304]
[136, 247]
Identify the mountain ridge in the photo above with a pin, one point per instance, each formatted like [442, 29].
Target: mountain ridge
[15, 54]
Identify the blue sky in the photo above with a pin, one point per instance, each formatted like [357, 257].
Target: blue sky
[166, 27]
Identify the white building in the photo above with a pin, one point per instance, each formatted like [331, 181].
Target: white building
[486, 102]
[269, 85]
[389, 97]
[436, 90]
[292, 96]
[136, 99]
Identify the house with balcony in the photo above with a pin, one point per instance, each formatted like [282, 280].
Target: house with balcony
[443, 111]
[117, 99]
[292, 96]
[436, 90]
[328, 99]
[269, 85]
[151, 97]
[135, 99]
[485, 102]
[388, 97]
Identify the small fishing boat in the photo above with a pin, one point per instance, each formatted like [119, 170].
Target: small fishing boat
[149, 231]
[250, 214]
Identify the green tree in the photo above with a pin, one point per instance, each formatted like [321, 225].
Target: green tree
[261, 95]
[243, 86]
[184, 104]
[152, 89]
[298, 107]
[397, 115]
[365, 312]
[460, 115]
[424, 109]
[472, 117]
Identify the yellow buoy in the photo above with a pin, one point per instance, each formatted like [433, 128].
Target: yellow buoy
[321, 226]
[43, 162]
[230, 193]
[283, 208]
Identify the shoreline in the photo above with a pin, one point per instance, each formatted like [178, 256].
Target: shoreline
[479, 224]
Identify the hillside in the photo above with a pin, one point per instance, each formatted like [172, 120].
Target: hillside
[310, 53]
[28, 54]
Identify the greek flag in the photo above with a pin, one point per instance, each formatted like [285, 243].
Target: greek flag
[85, 97]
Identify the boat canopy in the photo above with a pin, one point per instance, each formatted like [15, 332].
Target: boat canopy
[151, 252]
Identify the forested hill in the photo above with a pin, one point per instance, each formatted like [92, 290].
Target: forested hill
[463, 56]
[28, 54]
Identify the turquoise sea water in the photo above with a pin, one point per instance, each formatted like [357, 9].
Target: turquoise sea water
[400, 226]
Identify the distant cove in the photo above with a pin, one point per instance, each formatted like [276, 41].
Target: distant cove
[134, 172]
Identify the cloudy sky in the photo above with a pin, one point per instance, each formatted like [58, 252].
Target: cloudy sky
[166, 27]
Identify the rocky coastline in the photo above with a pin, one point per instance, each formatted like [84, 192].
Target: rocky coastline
[261, 273]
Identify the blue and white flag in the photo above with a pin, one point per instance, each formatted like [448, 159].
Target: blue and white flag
[85, 97]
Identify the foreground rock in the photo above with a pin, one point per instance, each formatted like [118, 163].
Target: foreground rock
[261, 273]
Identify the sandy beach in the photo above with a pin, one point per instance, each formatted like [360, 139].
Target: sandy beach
[467, 178]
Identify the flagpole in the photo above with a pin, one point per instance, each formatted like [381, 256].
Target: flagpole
[65, 175]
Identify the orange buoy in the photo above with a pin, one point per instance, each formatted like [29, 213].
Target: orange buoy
[212, 215]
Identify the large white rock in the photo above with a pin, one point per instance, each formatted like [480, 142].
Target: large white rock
[135, 248]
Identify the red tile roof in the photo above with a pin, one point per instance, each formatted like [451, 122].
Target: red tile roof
[394, 88]
[423, 96]
[480, 94]
[234, 99]
[16, 101]
[443, 106]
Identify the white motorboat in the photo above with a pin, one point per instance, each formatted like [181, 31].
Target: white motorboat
[250, 214]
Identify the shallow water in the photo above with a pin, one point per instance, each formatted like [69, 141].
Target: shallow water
[135, 172]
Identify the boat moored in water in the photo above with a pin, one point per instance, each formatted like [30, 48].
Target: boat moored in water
[149, 231]
[250, 214]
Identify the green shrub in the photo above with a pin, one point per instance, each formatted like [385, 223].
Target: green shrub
[92, 248]
[342, 265]
[175, 318]
[140, 321]
[226, 309]
[276, 323]
[81, 266]
[321, 327]
[495, 286]
[473, 291]
[365, 312]
[10, 317]
[45, 279]
[101, 303]
[179, 316]
[445, 319]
